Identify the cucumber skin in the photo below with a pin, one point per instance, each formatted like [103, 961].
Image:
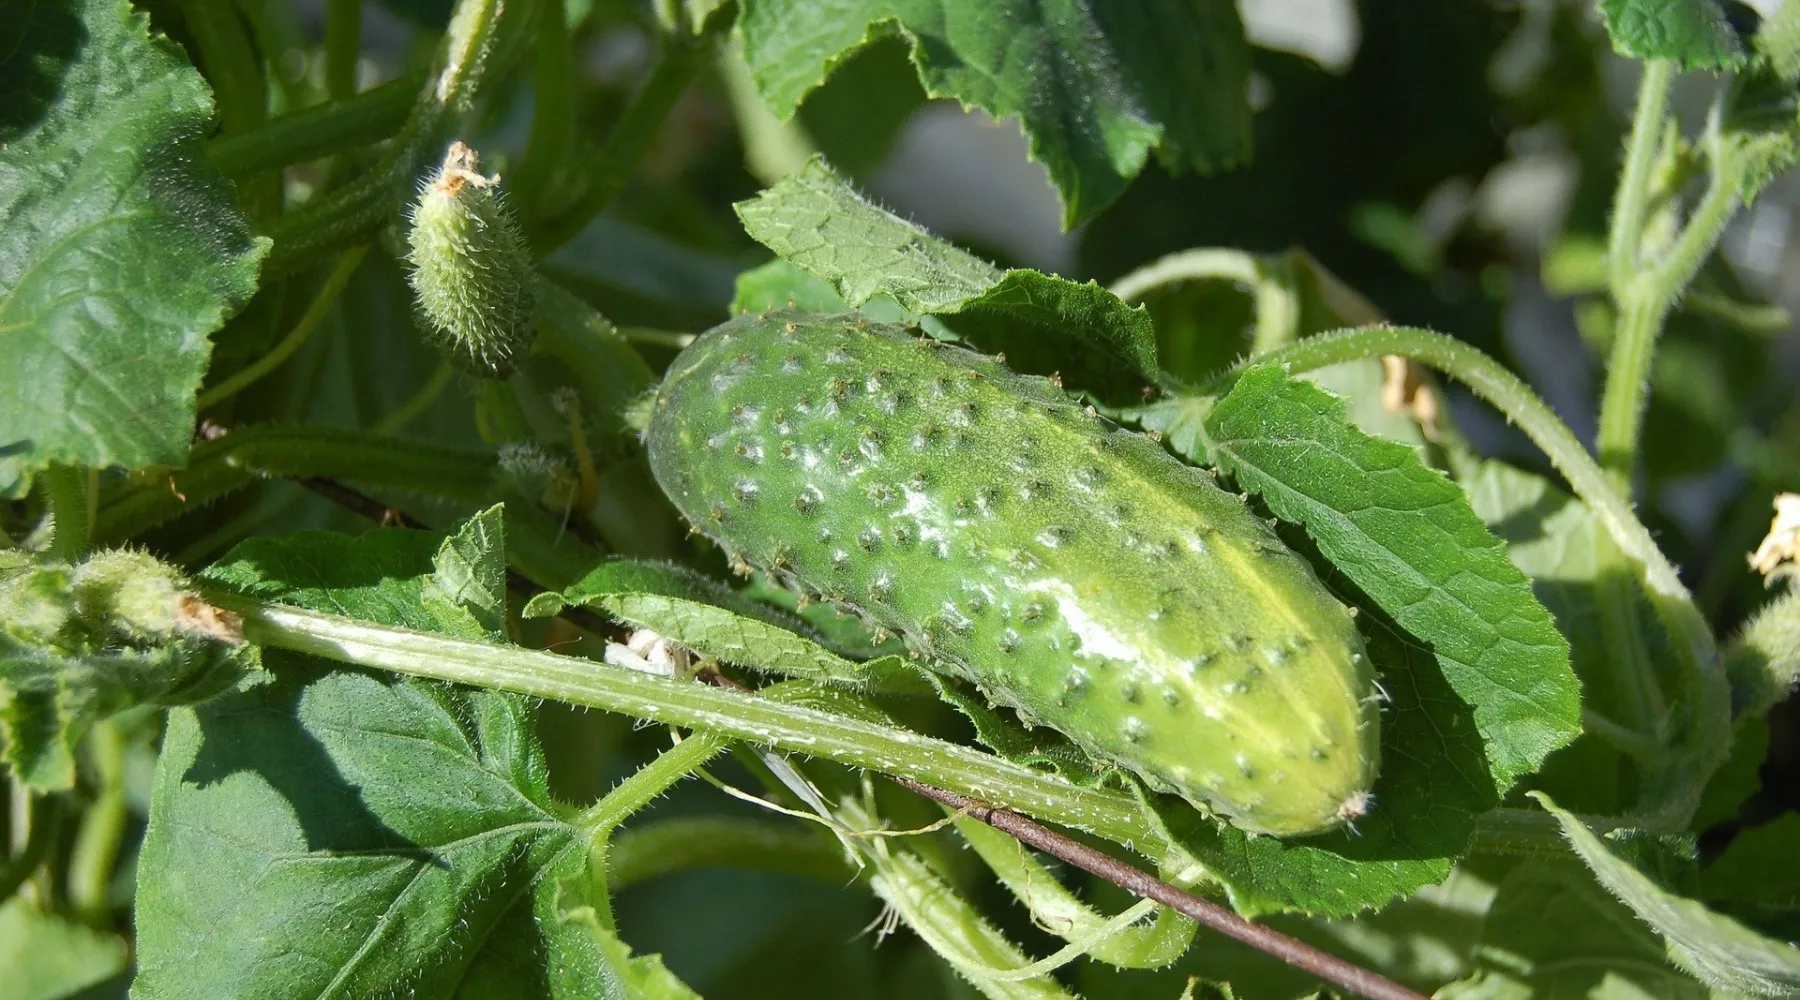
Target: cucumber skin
[1069, 569]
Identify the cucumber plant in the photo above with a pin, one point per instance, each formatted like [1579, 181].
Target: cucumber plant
[339, 482]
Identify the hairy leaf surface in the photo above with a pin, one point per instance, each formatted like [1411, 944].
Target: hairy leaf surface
[1168, 76]
[1405, 535]
[124, 249]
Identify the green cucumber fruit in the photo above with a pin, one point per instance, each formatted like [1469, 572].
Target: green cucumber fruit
[1072, 570]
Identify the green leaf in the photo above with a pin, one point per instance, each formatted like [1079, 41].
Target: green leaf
[1761, 124]
[468, 582]
[625, 975]
[1037, 747]
[780, 284]
[1694, 33]
[1738, 779]
[585, 350]
[1720, 951]
[1553, 934]
[415, 814]
[124, 249]
[1760, 865]
[817, 221]
[49, 699]
[1043, 323]
[1600, 608]
[44, 957]
[1096, 89]
[700, 614]
[1405, 535]
[1180, 418]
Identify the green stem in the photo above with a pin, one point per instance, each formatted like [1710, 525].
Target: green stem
[291, 451]
[1277, 303]
[102, 831]
[320, 130]
[762, 721]
[1492, 382]
[1635, 334]
[1706, 694]
[552, 111]
[44, 819]
[309, 321]
[1632, 199]
[343, 44]
[235, 70]
[232, 65]
[419, 402]
[1644, 297]
[1617, 598]
[66, 495]
[650, 781]
[1057, 910]
[682, 56]
[1525, 833]
[1644, 750]
[355, 212]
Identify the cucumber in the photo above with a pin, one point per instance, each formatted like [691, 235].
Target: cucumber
[1071, 570]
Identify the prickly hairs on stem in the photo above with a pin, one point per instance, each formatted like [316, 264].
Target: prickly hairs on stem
[471, 269]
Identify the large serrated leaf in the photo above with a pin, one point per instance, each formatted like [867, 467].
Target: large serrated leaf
[1553, 933]
[47, 957]
[124, 249]
[1694, 33]
[415, 814]
[1043, 323]
[1761, 124]
[1719, 950]
[1405, 535]
[1165, 75]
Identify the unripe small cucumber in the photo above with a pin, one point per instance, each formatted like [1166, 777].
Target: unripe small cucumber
[1070, 569]
[471, 269]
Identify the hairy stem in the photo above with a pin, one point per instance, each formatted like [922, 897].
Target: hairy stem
[297, 451]
[66, 496]
[1296, 953]
[343, 43]
[353, 213]
[1641, 748]
[1632, 199]
[1644, 303]
[102, 831]
[552, 111]
[650, 781]
[309, 321]
[1277, 304]
[682, 56]
[320, 130]
[764, 721]
[44, 819]
[416, 404]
